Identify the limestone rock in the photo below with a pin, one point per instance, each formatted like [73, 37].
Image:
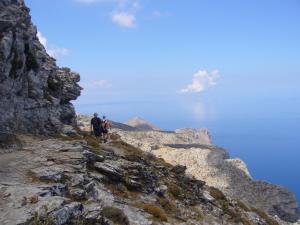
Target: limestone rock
[92, 157]
[232, 177]
[136, 188]
[35, 94]
[67, 212]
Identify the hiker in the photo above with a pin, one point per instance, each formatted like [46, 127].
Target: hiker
[105, 128]
[96, 126]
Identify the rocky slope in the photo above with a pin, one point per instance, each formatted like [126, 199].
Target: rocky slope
[232, 177]
[193, 148]
[213, 165]
[35, 94]
[75, 181]
[152, 140]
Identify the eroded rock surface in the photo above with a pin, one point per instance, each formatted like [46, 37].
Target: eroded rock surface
[58, 182]
[35, 94]
[233, 178]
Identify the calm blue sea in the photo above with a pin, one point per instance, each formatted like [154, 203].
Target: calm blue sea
[270, 149]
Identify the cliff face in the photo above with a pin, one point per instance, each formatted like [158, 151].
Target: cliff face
[232, 177]
[35, 94]
[194, 150]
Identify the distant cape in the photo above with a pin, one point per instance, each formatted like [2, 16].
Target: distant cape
[142, 124]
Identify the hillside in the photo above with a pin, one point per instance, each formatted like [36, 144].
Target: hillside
[73, 180]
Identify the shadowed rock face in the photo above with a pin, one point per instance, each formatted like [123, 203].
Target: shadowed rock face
[35, 94]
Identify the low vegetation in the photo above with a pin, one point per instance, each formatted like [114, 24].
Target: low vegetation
[216, 193]
[263, 215]
[167, 205]
[155, 211]
[174, 190]
[38, 219]
[116, 215]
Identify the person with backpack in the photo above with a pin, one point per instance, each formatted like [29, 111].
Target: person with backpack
[106, 125]
[96, 126]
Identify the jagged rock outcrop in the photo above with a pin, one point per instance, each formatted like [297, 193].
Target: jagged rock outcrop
[57, 182]
[35, 94]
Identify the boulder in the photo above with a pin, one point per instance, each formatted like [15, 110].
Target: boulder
[66, 213]
[110, 170]
[92, 157]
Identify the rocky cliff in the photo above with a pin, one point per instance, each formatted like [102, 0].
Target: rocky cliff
[35, 94]
[193, 149]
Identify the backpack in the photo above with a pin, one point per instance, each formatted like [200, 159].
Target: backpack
[105, 125]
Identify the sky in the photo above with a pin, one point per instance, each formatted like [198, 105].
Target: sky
[166, 59]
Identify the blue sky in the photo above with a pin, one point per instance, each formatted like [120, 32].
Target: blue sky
[202, 60]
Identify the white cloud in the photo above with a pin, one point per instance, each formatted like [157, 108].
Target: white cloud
[123, 13]
[95, 84]
[201, 81]
[58, 52]
[124, 19]
[42, 39]
[52, 51]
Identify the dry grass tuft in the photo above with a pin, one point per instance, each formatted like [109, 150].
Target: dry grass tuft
[128, 149]
[217, 194]
[116, 215]
[167, 205]
[175, 191]
[262, 214]
[69, 137]
[243, 206]
[155, 211]
[92, 141]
